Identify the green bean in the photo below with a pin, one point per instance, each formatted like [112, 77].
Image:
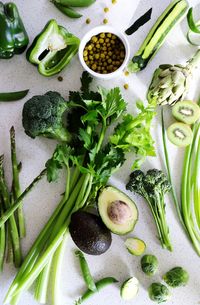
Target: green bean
[75, 3]
[68, 11]
[13, 96]
[86, 271]
[100, 285]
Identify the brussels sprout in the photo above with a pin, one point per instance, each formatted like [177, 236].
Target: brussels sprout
[158, 292]
[176, 277]
[149, 264]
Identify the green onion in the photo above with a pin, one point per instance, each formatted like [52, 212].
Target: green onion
[194, 27]
[13, 96]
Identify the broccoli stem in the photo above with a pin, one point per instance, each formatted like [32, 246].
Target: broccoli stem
[12, 223]
[2, 241]
[16, 183]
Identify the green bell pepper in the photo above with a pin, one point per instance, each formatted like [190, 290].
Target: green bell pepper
[13, 36]
[53, 49]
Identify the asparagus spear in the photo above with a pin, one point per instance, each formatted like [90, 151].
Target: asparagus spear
[12, 223]
[16, 184]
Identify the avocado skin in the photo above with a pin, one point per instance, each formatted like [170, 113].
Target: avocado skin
[89, 233]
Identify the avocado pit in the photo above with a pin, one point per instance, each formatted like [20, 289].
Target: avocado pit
[119, 212]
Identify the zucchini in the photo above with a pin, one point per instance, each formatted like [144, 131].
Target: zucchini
[135, 246]
[157, 35]
[129, 289]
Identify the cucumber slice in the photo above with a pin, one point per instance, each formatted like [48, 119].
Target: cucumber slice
[129, 289]
[135, 246]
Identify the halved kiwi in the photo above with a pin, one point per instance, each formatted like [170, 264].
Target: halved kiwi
[186, 111]
[180, 134]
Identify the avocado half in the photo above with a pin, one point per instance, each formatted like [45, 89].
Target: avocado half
[118, 212]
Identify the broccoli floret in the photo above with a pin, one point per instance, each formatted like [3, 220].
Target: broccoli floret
[176, 277]
[153, 186]
[149, 264]
[158, 292]
[43, 116]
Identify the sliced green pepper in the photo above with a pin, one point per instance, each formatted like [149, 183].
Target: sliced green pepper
[53, 49]
[13, 36]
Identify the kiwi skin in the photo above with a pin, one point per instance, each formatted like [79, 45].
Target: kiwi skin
[187, 112]
[177, 129]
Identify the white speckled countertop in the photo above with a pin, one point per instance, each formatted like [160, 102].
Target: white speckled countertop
[17, 74]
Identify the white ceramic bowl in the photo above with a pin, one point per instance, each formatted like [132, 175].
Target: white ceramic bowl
[96, 31]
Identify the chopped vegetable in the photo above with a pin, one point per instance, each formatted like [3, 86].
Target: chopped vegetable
[52, 49]
[135, 246]
[13, 96]
[170, 83]
[176, 277]
[100, 285]
[158, 293]
[158, 33]
[86, 271]
[13, 36]
[87, 170]
[149, 264]
[129, 289]
[139, 22]
[152, 187]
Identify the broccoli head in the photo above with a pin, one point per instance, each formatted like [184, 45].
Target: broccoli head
[156, 180]
[135, 183]
[43, 116]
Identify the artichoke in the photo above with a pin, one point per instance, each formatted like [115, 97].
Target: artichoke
[170, 83]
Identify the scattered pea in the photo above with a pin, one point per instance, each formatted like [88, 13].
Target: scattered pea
[126, 86]
[60, 78]
[105, 21]
[114, 1]
[106, 9]
[126, 73]
[87, 21]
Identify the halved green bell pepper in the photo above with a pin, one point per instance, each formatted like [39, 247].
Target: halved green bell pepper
[53, 49]
[13, 36]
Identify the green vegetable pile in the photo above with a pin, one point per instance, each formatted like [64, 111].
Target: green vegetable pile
[88, 160]
[152, 187]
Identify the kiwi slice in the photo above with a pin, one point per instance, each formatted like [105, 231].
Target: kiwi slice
[186, 111]
[180, 134]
